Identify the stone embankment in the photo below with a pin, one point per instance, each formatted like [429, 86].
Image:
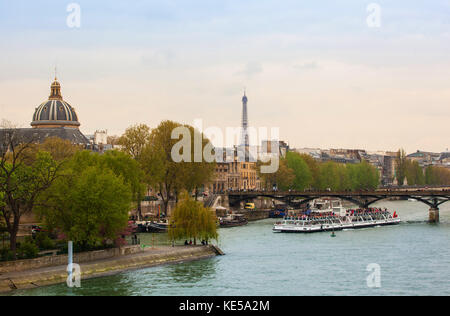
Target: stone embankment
[254, 215]
[25, 274]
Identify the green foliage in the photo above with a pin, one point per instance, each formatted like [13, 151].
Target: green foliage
[59, 149]
[303, 176]
[44, 242]
[24, 176]
[437, 176]
[414, 173]
[401, 166]
[6, 255]
[191, 220]
[327, 176]
[134, 140]
[2, 200]
[300, 172]
[165, 175]
[90, 203]
[283, 178]
[126, 167]
[27, 250]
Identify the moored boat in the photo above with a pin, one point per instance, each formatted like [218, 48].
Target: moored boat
[152, 227]
[278, 213]
[233, 220]
[158, 227]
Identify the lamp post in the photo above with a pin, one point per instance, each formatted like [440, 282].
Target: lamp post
[173, 240]
[70, 258]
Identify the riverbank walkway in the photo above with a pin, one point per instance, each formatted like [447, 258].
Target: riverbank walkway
[149, 257]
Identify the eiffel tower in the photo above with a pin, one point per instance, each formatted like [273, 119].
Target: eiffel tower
[244, 147]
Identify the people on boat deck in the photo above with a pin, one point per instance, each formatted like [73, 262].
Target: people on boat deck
[308, 215]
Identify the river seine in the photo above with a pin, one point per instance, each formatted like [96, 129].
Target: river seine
[414, 259]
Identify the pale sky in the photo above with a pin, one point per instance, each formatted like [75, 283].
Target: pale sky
[312, 68]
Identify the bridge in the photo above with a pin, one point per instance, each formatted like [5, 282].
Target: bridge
[431, 197]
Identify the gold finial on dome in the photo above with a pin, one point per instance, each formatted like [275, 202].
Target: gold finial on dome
[55, 90]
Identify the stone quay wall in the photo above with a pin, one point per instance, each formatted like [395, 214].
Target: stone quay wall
[254, 215]
[51, 261]
[99, 268]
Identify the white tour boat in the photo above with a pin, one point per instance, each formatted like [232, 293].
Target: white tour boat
[334, 219]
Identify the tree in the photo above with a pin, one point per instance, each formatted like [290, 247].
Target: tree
[437, 176]
[90, 203]
[340, 177]
[133, 142]
[196, 174]
[2, 200]
[369, 177]
[129, 169]
[27, 170]
[327, 176]
[303, 177]
[21, 185]
[314, 168]
[343, 177]
[283, 178]
[167, 176]
[414, 173]
[59, 149]
[3, 229]
[400, 166]
[113, 140]
[191, 220]
[135, 139]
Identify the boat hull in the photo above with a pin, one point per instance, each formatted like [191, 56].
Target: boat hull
[157, 228]
[232, 224]
[277, 214]
[148, 227]
[328, 228]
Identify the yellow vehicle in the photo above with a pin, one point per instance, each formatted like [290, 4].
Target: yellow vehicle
[249, 206]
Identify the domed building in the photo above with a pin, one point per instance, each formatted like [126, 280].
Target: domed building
[54, 118]
[55, 112]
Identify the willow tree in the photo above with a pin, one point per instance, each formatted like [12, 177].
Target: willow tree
[191, 220]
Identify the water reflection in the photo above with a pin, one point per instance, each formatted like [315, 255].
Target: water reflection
[192, 272]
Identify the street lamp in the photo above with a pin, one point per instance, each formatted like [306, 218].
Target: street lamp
[173, 240]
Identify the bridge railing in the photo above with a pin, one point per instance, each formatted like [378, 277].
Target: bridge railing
[403, 191]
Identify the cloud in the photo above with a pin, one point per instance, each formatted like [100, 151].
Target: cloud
[307, 66]
[158, 58]
[251, 69]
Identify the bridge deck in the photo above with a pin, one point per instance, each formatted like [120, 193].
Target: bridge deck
[431, 197]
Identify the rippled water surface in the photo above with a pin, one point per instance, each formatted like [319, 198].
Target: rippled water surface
[414, 259]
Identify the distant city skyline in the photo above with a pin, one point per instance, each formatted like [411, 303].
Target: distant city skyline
[317, 71]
